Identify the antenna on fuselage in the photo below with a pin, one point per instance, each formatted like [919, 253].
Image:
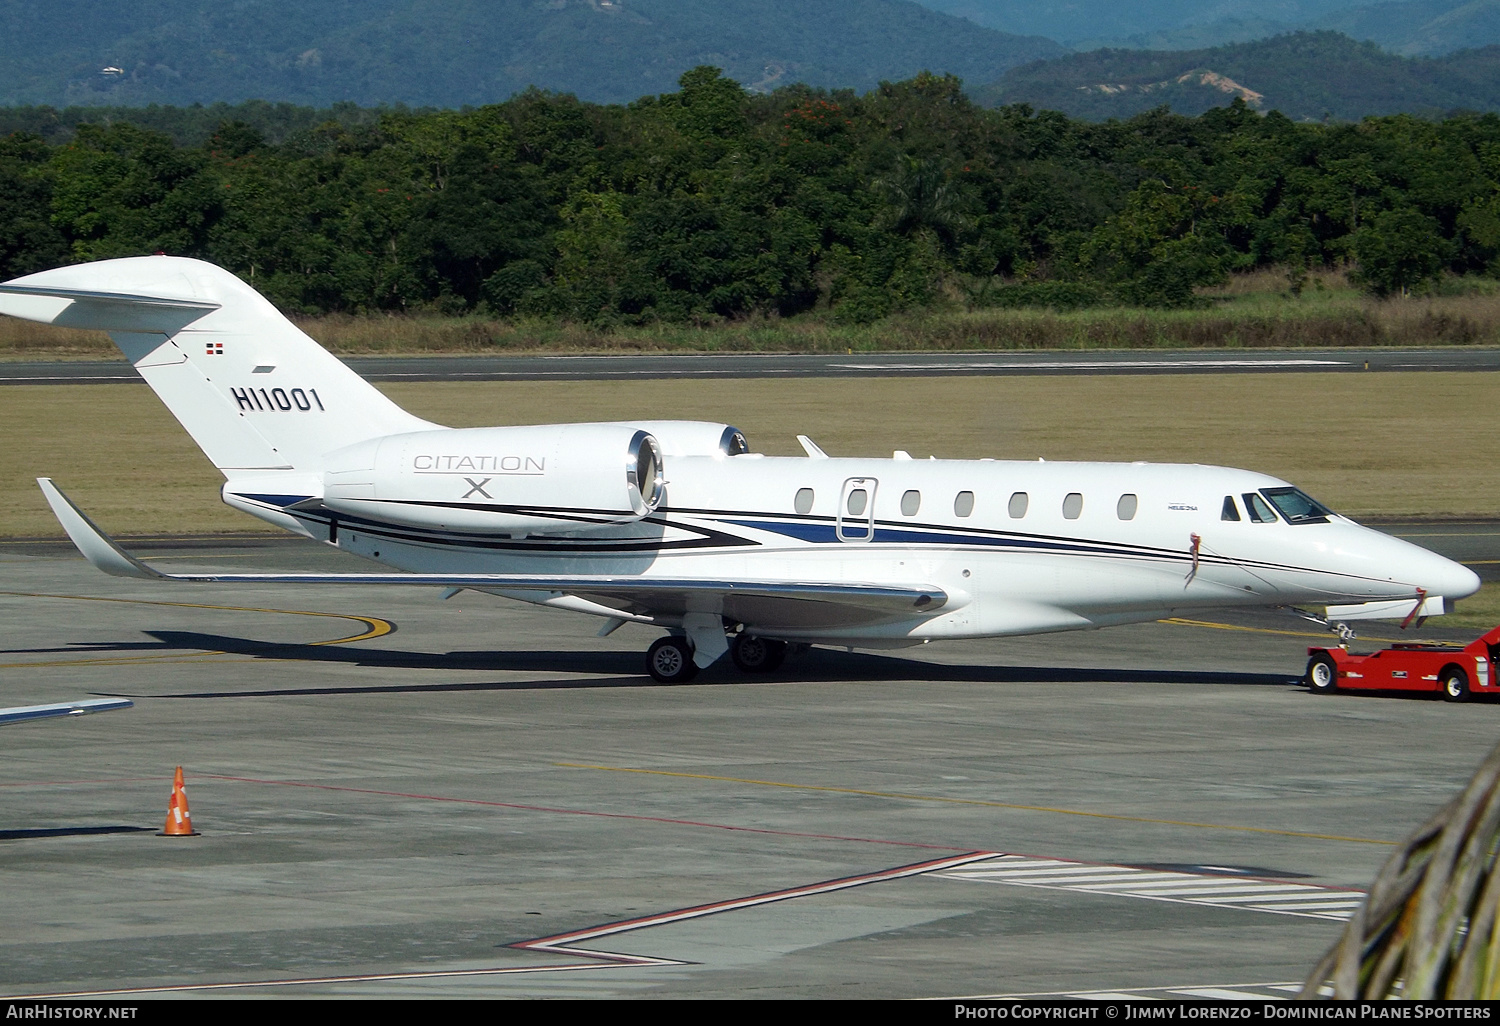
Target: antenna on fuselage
[811, 448]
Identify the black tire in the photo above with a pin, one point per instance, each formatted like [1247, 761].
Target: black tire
[670, 660]
[1322, 675]
[756, 655]
[1454, 683]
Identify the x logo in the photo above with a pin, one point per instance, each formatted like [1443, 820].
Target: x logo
[478, 486]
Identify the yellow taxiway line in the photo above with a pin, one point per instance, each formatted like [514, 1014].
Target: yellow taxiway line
[1178, 621]
[375, 627]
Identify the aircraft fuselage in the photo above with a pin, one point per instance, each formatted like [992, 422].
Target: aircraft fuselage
[1019, 547]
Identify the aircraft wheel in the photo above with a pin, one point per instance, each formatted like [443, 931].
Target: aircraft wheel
[1455, 684]
[1322, 675]
[757, 655]
[670, 660]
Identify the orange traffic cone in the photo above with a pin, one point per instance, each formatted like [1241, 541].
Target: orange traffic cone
[179, 820]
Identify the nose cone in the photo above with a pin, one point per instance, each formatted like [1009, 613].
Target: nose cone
[1410, 567]
[1447, 578]
[1434, 574]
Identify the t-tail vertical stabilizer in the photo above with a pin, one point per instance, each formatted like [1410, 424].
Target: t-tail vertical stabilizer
[255, 392]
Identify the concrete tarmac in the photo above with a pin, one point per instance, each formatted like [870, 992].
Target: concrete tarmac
[400, 796]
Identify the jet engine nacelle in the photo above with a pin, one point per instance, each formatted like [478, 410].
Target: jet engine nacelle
[552, 479]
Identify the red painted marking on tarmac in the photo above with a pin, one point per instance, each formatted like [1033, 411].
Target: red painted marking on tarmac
[556, 942]
[553, 944]
[585, 812]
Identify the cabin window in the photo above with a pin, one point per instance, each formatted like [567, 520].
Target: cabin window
[1126, 507]
[911, 502]
[1018, 503]
[1073, 505]
[963, 504]
[1296, 506]
[1259, 509]
[803, 502]
[858, 500]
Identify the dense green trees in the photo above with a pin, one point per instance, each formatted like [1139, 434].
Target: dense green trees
[711, 202]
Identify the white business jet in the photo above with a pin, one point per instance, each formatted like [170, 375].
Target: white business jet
[678, 525]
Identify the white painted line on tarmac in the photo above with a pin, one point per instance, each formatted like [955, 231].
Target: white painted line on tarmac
[1278, 897]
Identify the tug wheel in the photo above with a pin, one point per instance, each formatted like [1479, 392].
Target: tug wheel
[1322, 675]
[1455, 684]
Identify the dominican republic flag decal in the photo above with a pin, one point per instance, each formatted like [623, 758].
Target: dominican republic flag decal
[215, 348]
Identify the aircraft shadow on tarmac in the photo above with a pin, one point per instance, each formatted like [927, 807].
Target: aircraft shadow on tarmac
[33, 832]
[625, 670]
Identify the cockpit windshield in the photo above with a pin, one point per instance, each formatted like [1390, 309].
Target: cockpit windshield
[1296, 506]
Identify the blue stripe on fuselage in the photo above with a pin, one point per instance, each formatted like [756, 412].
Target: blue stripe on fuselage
[274, 500]
[822, 533]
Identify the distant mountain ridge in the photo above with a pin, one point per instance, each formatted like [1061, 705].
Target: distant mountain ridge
[1076, 22]
[1305, 75]
[1415, 28]
[1410, 28]
[454, 52]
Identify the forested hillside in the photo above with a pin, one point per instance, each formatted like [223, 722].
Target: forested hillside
[1409, 28]
[470, 52]
[712, 203]
[1304, 75]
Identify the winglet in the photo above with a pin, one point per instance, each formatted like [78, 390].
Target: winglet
[96, 546]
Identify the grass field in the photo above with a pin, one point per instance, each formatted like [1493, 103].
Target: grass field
[1250, 311]
[1368, 444]
[1477, 612]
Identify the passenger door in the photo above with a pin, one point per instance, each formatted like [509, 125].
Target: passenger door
[856, 517]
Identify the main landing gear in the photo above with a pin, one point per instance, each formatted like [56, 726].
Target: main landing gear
[670, 659]
[756, 655]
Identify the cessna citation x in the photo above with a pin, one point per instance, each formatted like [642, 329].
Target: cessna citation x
[678, 525]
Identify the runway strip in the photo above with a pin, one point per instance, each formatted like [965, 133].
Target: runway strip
[810, 365]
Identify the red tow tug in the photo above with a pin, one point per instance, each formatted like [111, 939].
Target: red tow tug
[1457, 672]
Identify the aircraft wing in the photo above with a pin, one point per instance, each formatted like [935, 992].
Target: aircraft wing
[80, 708]
[764, 604]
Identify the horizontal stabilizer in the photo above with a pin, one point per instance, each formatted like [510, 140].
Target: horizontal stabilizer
[80, 708]
[101, 311]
